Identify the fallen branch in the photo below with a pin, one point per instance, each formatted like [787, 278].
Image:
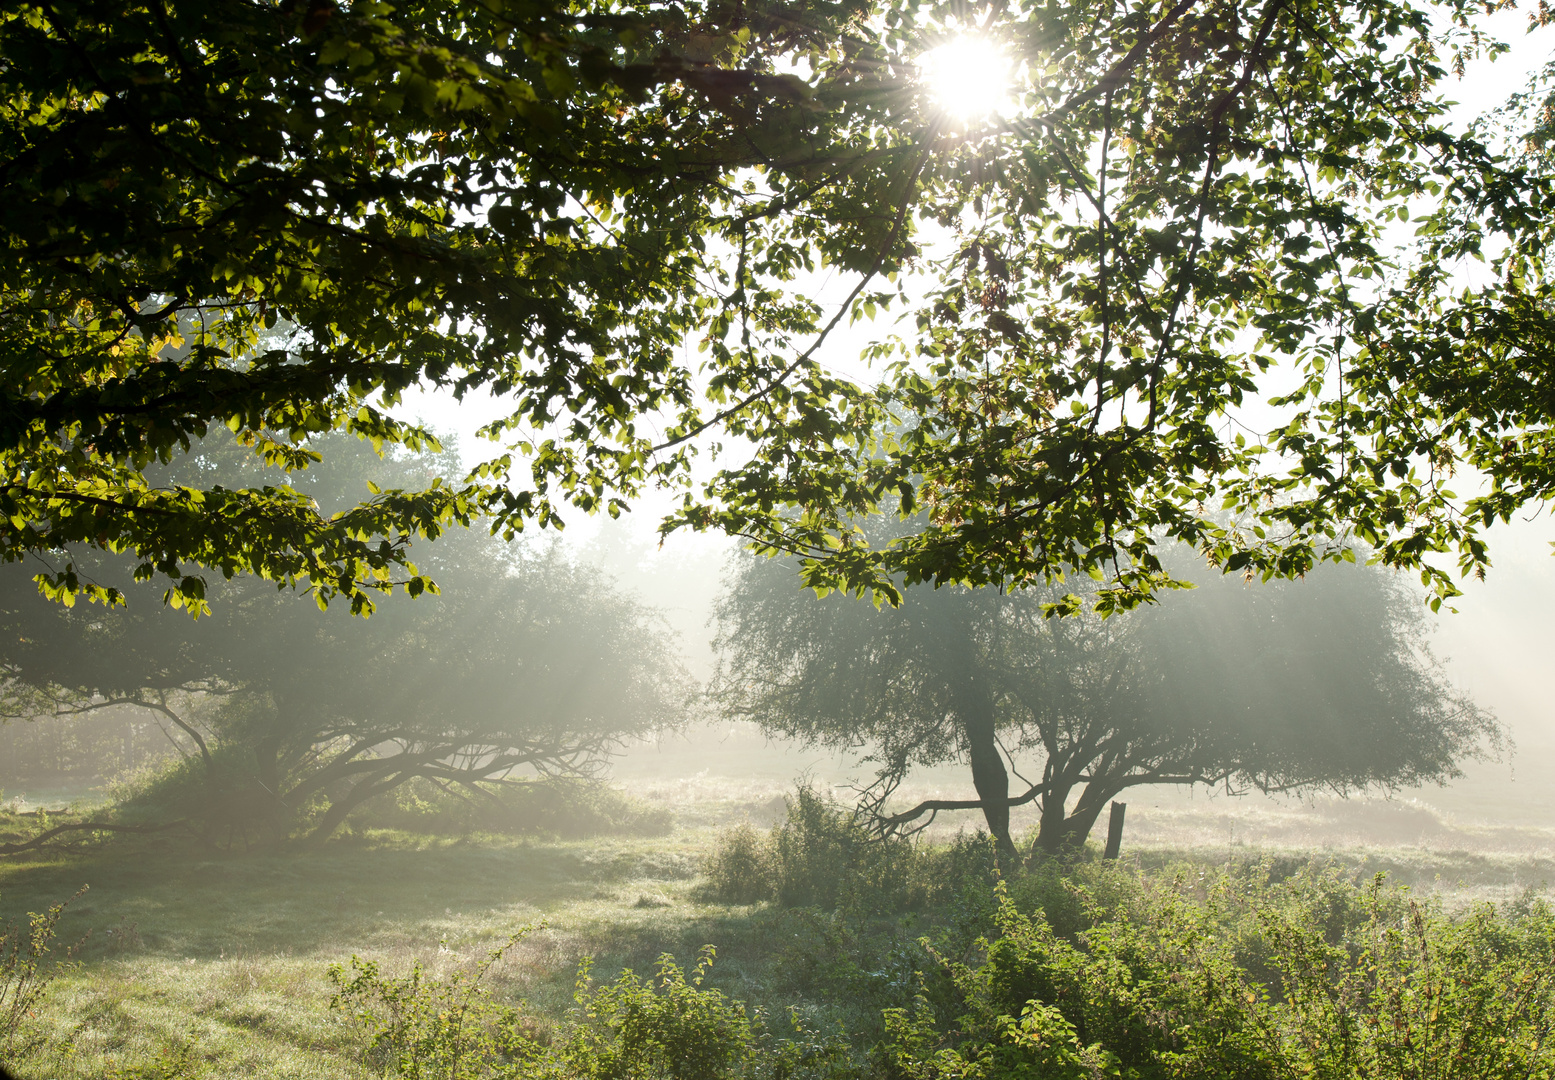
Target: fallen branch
[80, 826]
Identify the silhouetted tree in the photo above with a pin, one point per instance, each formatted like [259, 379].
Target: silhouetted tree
[1320, 683]
[526, 662]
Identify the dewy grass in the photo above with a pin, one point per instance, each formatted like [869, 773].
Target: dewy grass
[231, 954]
[217, 966]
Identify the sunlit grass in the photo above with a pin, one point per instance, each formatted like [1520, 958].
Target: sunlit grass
[228, 955]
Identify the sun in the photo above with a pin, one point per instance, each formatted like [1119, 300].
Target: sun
[968, 77]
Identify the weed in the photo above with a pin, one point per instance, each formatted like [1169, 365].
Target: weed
[423, 1028]
[124, 938]
[23, 976]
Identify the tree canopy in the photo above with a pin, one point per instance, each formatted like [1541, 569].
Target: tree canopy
[1324, 683]
[1189, 209]
[515, 197]
[526, 663]
[1207, 281]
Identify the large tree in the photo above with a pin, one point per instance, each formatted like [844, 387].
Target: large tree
[1324, 683]
[1216, 256]
[1182, 212]
[525, 663]
[542, 200]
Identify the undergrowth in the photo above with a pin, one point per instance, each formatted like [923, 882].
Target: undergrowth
[839, 956]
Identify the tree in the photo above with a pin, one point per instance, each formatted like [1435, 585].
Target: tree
[1324, 683]
[516, 197]
[1179, 303]
[526, 663]
[1185, 208]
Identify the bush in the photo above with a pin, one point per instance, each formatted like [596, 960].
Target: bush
[822, 856]
[1352, 980]
[24, 978]
[668, 1027]
[224, 802]
[1413, 991]
[423, 1028]
[739, 870]
[1362, 981]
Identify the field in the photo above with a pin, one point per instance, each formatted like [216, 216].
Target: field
[216, 964]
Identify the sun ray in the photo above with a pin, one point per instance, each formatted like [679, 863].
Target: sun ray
[968, 77]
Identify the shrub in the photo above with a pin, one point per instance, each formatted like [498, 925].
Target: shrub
[1360, 981]
[24, 978]
[820, 855]
[668, 1027]
[225, 802]
[635, 1029]
[671, 1027]
[423, 1028]
[1414, 991]
[739, 871]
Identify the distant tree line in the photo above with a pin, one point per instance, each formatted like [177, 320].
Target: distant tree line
[89, 748]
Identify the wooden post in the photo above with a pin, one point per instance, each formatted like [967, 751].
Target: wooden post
[1115, 830]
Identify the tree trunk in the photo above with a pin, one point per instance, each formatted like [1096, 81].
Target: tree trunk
[1051, 829]
[988, 774]
[1077, 829]
[339, 809]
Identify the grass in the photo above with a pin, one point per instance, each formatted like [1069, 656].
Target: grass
[215, 965]
[230, 954]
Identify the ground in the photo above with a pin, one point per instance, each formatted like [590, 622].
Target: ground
[228, 954]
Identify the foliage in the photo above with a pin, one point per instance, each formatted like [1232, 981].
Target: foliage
[820, 855]
[737, 869]
[89, 749]
[23, 977]
[527, 662]
[1202, 283]
[1412, 991]
[635, 1029]
[1193, 975]
[628, 1029]
[281, 218]
[1323, 683]
[1355, 980]
[426, 1028]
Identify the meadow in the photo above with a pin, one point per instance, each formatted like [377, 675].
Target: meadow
[203, 963]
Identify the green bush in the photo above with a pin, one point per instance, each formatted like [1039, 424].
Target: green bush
[739, 870]
[25, 971]
[422, 1028]
[1413, 991]
[821, 855]
[1196, 975]
[1361, 982]
[224, 802]
[668, 1027]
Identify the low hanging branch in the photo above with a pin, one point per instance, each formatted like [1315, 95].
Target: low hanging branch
[84, 826]
[932, 807]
